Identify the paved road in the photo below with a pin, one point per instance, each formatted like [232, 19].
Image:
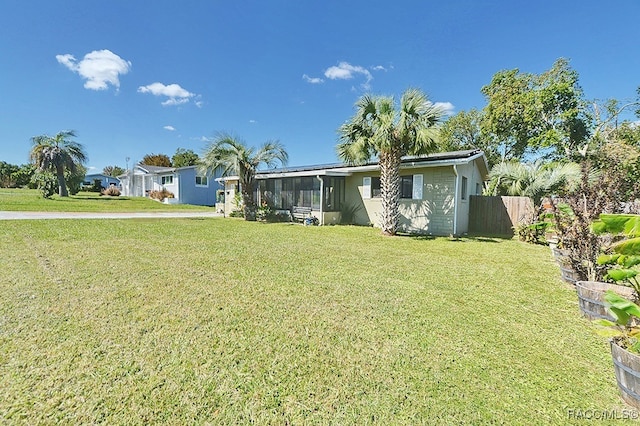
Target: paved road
[4, 215]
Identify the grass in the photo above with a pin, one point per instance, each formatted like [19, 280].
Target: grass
[32, 200]
[220, 321]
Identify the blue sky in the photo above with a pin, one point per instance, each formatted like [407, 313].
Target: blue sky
[134, 77]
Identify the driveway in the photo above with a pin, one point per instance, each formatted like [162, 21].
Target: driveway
[4, 215]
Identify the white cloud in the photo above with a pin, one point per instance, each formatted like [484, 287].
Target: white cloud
[170, 128]
[252, 121]
[312, 80]
[379, 68]
[100, 68]
[346, 71]
[447, 107]
[176, 94]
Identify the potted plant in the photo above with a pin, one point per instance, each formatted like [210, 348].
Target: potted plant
[623, 332]
[620, 236]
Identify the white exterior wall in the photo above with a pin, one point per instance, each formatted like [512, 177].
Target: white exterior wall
[472, 173]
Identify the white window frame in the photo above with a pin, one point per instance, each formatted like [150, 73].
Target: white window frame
[366, 187]
[163, 180]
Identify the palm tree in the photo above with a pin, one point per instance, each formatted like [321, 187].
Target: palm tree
[533, 180]
[378, 128]
[236, 158]
[57, 153]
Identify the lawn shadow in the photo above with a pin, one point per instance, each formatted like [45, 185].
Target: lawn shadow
[459, 239]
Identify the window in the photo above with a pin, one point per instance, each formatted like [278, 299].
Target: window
[371, 187]
[167, 180]
[333, 193]
[418, 181]
[463, 189]
[202, 181]
[375, 187]
[366, 187]
[406, 186]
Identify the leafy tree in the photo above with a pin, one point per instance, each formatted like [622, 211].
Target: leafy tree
[57, 154]
[234, 157]
[464, 131]
[24, 174]
[161, 160]
[184, 157]
[114, 171]
[537, 114]
[75, 179]
[7, 174]
[379, 128]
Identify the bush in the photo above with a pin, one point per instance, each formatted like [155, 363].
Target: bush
[112, 191]
[161, 195]
[267, 214]
[46, 182]
[96, 186]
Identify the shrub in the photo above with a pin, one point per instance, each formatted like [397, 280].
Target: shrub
[111, 191]
[161, 195]
[46, 182]
[600, 191]
[348, 213]
[96, 186]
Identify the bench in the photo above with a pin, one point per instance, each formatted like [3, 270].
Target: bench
[300, 213]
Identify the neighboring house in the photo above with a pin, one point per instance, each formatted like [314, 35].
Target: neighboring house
[187, 184]
[434, 193]
[105, 180]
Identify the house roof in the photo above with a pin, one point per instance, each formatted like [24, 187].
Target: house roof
[99, 175]
[155, 169]
[341, 169]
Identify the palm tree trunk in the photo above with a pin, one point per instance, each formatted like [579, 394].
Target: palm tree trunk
[247, 197]
[62, 185]
[390, 190]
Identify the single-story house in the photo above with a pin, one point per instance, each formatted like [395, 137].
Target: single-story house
[434, 197]
[187, 184]
[105, 180]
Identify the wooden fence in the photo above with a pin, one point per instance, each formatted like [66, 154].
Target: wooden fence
[497, 215]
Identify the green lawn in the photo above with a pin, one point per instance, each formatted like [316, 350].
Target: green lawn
[220, 321]
[31, 200]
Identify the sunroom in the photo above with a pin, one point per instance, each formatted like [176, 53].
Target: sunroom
[321, 191]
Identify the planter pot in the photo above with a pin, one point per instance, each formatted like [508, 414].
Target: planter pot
[591, 297]
[627, 368]
[569, 275]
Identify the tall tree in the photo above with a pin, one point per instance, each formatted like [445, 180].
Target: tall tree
[537, 114]
[57, 154]
[113, 171]
[464, 131]
[234, 157]
[184, 157]
[379, 128]
[161, 160]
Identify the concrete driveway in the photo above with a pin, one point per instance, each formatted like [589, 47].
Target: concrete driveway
[5, 215]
